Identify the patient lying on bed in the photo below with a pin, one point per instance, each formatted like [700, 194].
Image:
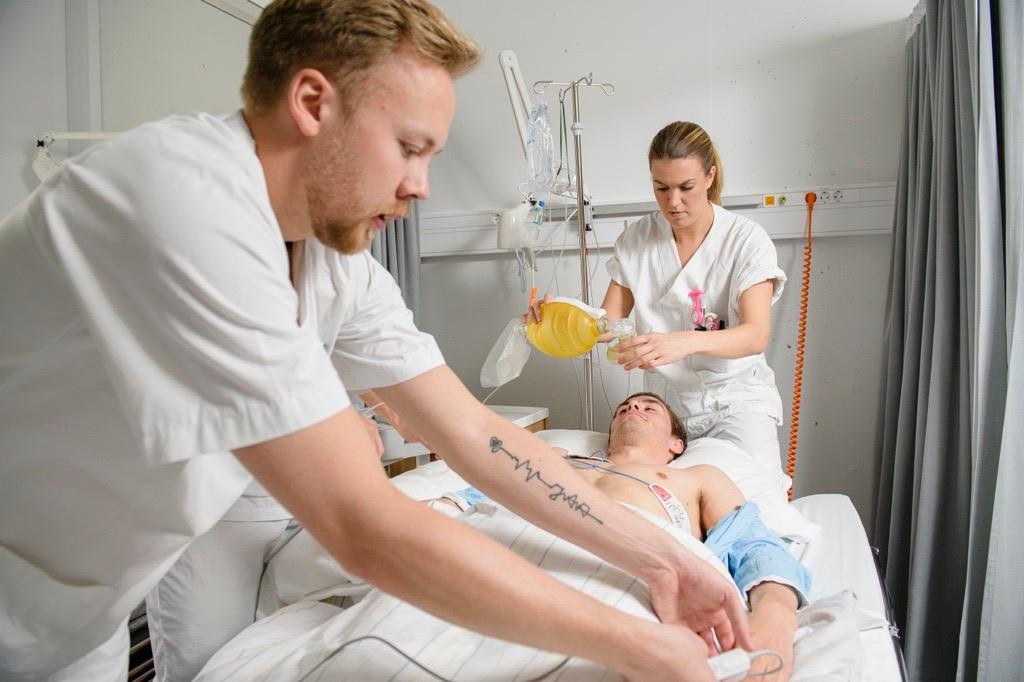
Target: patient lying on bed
[381, 637]
[644, 436]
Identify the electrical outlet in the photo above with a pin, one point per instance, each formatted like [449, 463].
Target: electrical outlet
[831, 196]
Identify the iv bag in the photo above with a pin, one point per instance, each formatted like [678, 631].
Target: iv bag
[540, 148]
[508, 356]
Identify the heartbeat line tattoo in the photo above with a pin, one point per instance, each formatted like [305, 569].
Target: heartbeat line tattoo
[557, 490]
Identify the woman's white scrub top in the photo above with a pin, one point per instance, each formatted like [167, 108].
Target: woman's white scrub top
[736, 254]
[150, 327]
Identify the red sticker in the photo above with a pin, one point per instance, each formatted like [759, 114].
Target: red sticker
[661, 492]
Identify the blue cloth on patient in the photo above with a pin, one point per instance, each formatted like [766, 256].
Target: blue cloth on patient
[471, 495]
[465, 498]
[753, 554]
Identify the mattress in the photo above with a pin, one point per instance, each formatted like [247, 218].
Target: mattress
[840, 558]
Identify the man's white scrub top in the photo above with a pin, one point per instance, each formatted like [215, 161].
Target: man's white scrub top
[736, 254]
[149, 328]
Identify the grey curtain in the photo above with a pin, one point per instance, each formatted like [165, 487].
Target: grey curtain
[948, 403]
[397, 248]
[990, 644]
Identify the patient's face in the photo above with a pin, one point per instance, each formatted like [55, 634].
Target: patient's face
[641, 420]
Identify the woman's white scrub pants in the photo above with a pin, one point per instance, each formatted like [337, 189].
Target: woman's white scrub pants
[754, 433]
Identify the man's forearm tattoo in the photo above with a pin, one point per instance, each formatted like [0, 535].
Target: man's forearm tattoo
[557, 490]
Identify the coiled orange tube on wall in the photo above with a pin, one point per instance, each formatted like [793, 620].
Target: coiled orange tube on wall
[801, 339]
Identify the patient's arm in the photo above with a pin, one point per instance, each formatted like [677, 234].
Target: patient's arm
[773, 624]
[773, 605]
[330, 478]
[521, 472]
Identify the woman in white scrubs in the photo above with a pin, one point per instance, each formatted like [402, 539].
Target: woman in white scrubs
[700, 281]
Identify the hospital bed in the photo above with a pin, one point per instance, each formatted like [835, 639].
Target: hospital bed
[846, 632]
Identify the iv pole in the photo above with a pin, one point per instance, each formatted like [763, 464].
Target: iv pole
[583, 219]
[520, 109]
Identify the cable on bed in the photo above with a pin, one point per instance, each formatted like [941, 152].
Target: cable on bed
[754, 655]
[734, 665]
[411, 660]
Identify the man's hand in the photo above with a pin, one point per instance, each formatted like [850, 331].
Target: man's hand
[703, 599]
[669, 652]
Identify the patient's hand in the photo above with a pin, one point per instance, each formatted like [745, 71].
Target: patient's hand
[773, 624]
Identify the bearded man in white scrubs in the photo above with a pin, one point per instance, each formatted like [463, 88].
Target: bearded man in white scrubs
[161, 346]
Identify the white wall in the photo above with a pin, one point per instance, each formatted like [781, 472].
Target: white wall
[803, 92]
[796, 94]
[468, 300]
[164, 57]
[34, 87]
[156, 58]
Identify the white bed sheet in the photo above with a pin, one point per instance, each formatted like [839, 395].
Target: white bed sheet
[306, 640]
[839, 559]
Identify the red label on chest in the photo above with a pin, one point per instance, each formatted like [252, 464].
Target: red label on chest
[661, 492]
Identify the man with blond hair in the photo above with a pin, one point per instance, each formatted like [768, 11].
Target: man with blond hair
[195, 303]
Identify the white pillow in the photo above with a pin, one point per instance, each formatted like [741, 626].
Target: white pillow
[766, 488]
[574, 441]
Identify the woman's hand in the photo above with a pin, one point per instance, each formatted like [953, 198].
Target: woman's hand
[404, 429]
[371, 430]
[654, 349]
[391, 417]
[533, 314]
